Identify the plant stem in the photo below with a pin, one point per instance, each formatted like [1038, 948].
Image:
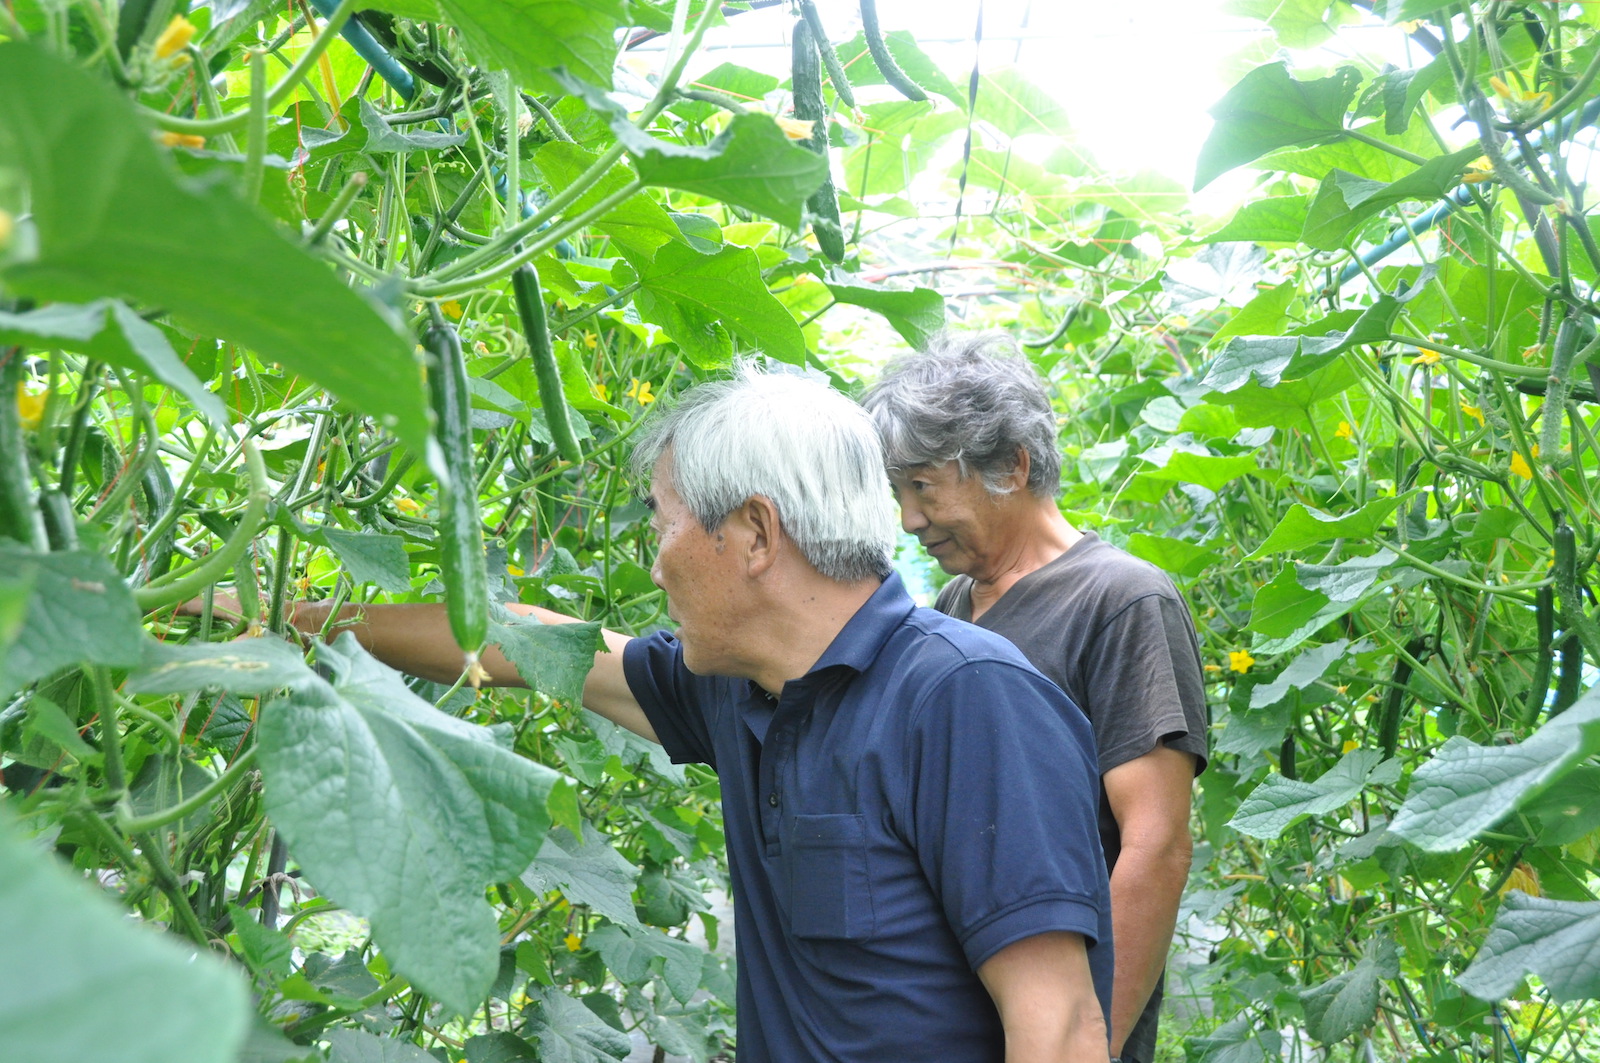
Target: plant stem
[280, 91]
[189, 805]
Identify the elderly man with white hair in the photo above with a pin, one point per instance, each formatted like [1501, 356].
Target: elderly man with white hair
[909, 805]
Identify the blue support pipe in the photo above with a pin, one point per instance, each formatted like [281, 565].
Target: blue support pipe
[367, 47]
[1458, 197]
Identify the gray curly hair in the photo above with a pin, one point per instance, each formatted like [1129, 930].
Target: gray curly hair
[971, 398]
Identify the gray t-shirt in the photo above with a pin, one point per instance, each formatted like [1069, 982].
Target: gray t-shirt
[1113, 632]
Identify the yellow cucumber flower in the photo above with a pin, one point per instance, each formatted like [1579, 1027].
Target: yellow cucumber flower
[1426, 358]
[181, 140]
[30, 408]
[1240, 661]
[639, 391]
[179, 32]
[1344, 431]
[796, 128]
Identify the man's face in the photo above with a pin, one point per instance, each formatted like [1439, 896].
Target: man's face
[956, 520]
[697, 569]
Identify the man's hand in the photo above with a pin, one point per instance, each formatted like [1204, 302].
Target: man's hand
[1149, 798]
[416, 639]
[1045, 995]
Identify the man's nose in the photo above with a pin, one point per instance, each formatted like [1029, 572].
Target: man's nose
[911, 518]
[655, 572]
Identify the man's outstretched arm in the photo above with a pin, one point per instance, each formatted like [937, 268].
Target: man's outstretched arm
[416, 639]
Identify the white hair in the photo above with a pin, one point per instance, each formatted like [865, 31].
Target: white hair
[796, 441]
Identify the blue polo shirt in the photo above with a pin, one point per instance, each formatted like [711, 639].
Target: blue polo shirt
[916, 802]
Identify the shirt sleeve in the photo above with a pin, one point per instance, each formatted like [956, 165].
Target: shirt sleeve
[674, 699]
[1142, 674]
[1002, 809]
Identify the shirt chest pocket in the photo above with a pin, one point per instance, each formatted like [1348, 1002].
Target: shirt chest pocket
[830, 890]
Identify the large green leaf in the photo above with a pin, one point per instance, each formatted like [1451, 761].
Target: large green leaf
[110, 331]
[85, 985]
[1279, 801]
[638, 223]
[533, 38]
[372, 558]
[113, 218]
[245, 667]
[1467, 788]
[553, 659]
[359, 1046]
[1269, 359]
[1270, 109]
[1263, 315]
[1239, 1041]
[78, 612]
[1210, 471]
[1559, 941]
[1344, 202]
[915, 313]
[1347, 1003]
[699, 298]
[751, 164]
[588, 872]
[568, 1032]
[402, 814]
[1299, 24]
[1303, 526]
[740, 82]
[1274, 220]
[1289, 402]
[1178, 556]
[632, 955]
[1301, 673]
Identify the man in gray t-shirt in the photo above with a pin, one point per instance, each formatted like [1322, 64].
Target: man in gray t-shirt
[970, 442]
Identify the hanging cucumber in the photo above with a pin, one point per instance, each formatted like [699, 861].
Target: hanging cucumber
[830, 58]
[466, 580]
[880, 54]
[19, 519]
[1544, 613]
[806, 73]
[530, 307]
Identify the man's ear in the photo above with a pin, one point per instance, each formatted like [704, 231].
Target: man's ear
[760, 517]
[1024, 464]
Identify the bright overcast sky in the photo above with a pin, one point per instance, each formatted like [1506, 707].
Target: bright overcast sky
[1136, 76]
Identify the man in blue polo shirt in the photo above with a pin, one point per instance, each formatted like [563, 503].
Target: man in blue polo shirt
[910, 807]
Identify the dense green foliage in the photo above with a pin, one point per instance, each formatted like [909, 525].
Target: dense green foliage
[225, 302]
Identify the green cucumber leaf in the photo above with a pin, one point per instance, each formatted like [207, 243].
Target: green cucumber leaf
[102, 989]
[403, 815]
[113, 218]
[1269, 108]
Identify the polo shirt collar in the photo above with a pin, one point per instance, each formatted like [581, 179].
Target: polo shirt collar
[863, 635]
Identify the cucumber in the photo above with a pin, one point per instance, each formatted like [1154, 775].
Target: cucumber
[806, 73]
[466, 579]
[530, 307]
